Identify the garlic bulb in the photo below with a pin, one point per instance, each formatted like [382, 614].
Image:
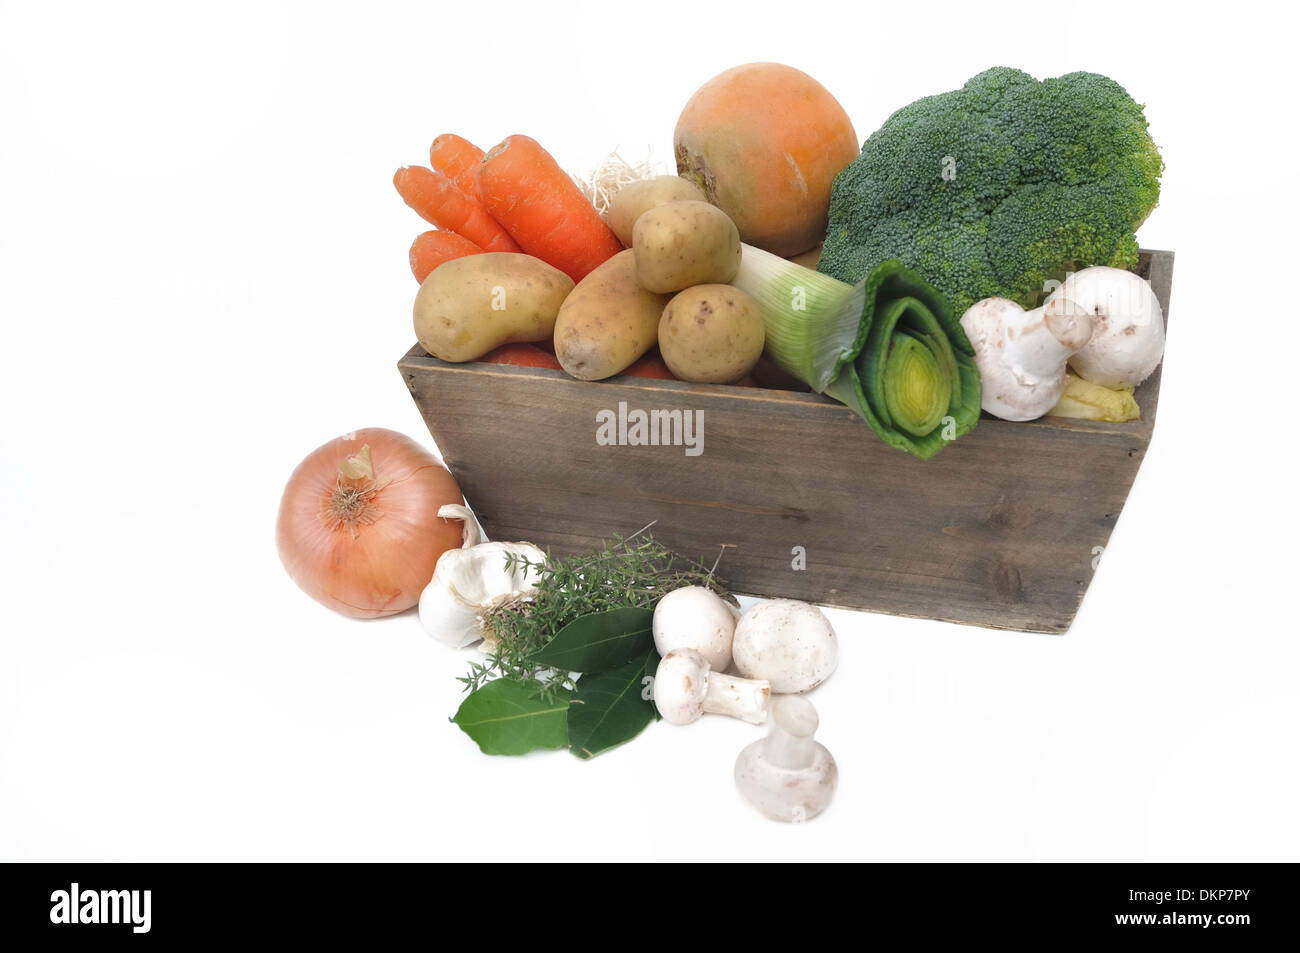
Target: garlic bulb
[468, 583]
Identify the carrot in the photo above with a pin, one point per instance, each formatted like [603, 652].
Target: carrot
[521, 355]
[437, 200]
[458, 160]
[431, 249]
[653, 366]
[525, 190]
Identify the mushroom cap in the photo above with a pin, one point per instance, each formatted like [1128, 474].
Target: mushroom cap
[694, 617]
[680, 686]
[1128, 338]
[787, 775]
[790, 644]
[782, 794]
[1021, 356]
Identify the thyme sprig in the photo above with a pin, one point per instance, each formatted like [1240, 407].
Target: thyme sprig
[631, 571]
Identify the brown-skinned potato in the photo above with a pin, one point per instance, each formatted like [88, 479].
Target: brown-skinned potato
[711, 334]
[607, 322]
[468, 306]
[682, 244]
[634, 200]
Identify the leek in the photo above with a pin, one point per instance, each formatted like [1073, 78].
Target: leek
[888, 347]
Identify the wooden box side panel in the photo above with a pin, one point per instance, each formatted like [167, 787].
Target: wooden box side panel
[997, 530]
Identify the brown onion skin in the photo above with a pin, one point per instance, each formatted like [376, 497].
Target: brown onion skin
[383, 569]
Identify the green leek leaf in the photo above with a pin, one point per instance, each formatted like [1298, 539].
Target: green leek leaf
[905, 305]
[889, 347]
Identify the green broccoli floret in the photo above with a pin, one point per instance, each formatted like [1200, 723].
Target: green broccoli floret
[998, 187]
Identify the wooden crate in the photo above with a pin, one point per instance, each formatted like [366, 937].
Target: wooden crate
[1000, 529]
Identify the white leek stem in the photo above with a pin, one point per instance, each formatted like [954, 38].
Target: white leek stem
[811, 320]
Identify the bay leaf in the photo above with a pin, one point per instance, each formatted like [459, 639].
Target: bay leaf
[509, 717]
[596, 643]
[612, 707]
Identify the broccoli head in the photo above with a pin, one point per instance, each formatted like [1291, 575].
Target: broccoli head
[998, 187]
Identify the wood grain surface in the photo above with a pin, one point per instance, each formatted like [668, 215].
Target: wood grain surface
[999, 530]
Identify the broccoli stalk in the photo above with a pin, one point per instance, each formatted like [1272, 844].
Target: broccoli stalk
[998, 188]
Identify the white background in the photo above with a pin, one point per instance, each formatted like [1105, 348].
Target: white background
[204, 277]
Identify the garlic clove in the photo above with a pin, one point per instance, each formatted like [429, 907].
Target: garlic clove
[471, 536]
[481, 574]
[447, 617]
[468, 583]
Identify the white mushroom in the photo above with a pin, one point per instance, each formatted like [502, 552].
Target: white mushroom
[685, 688]
[694, 617]
[1128, 328]
[789, 643]
[1022, 355]
[787, 775]
[470, 582]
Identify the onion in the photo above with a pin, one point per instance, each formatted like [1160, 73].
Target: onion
[359, 529]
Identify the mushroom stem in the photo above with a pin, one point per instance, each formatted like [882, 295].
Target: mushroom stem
[685, 688]
[789, 744]
[1067, 330]
[743, 698]
[1021, 355]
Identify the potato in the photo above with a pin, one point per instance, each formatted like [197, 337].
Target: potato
[607, 322]
[711, 334]
[469, 306]
[633, 201]
[682, 244]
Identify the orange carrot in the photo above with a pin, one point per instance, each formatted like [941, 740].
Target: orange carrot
[437, 200]
[521, 355]
[653, 366]
[458, 160]
[431, 249]
[525, 190]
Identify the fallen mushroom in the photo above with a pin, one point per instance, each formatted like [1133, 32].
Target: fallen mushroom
[685, 688]
[694, 617]
[470, 582]
[789, 643]
[1022, 355]
[787, 775]
[1128, 327]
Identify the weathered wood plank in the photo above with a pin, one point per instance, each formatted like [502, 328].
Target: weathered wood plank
[998, 530]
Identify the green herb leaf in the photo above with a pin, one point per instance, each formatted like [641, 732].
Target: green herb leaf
[596, 643]
[507, 717]
[609, 709]
[623, 572]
